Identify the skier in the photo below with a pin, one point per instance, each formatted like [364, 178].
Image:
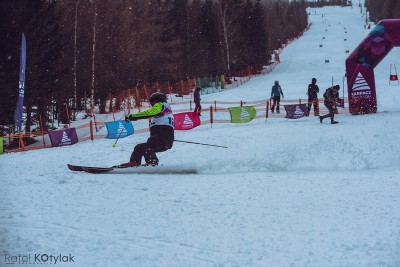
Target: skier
[161, 131]
[312, 93]
[197, 100]
[331, 96]
[276, 93]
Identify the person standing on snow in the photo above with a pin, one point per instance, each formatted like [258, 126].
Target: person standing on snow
[331, 97]
[161, 131]
[197, 100]
[312, 93]
[276, 93]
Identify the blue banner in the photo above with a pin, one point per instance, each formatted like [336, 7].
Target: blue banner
[119, 129]
[20, 102]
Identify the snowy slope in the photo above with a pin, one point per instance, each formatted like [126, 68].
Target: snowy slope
[285, 193]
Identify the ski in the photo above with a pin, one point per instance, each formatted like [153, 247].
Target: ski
[142, 169]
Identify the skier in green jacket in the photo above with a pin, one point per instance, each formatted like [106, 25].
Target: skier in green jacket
[161, 131]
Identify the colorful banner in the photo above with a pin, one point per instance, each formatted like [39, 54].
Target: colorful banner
[186, 120]
[242, 114]
[65, 137]
[1, 145]
[119, 129]
[296, 111]
[20, 101]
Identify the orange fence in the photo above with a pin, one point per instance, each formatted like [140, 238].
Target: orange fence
[214, 112]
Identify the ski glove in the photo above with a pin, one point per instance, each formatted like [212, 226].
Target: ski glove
[130, 118]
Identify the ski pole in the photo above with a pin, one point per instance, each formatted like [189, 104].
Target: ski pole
[119, 135]
[198, 143]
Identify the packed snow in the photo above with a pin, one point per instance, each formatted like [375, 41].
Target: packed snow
[284, 193]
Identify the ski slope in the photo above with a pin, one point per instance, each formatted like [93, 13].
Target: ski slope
[285, 193]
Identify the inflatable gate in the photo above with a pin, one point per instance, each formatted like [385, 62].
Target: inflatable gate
[362, 61]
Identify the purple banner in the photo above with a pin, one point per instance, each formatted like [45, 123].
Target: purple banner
[296, 111]
[65, 137]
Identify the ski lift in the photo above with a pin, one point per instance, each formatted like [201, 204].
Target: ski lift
[347, 50]
[393, 77]
[326, 59]
[320, 44]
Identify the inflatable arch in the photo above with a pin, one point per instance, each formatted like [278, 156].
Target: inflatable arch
[362, 61]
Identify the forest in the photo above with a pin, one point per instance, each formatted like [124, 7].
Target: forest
[383, 9]
[80, 49]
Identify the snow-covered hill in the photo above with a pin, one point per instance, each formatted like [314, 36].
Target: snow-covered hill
[284, 193]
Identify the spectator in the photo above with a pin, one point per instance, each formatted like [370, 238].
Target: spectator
[197, 100]
[312, 93]
[276, 93]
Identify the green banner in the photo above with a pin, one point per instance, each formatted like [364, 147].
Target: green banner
[242, 114]
[222, 81]
[1, 145]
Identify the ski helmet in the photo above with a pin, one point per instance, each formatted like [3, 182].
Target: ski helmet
[314, 80]
[158, 97]
[276, 82]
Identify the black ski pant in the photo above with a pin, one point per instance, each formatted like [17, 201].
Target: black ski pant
[197, 106]
[277, 100]
[161, 139]
[331, 109]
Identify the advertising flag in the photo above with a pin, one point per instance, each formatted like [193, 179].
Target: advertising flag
[186, 120]
[296, 111]
[20, 101]
[65, 137]
[119, 129]
[242, 114]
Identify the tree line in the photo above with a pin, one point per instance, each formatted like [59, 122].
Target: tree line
[383, 9]
[78, 49]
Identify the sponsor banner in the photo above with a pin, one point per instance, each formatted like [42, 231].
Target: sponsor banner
[362, 94]
[119, 129]
[296, 111]
[65, 137]
[242, 114]
[186, 120]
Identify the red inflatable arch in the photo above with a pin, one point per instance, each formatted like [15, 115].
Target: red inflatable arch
[362, 61]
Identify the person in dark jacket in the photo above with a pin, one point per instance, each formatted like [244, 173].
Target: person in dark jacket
[161, 131]
[276, 93]
[331, 97]
[197, 100]
[312, 93]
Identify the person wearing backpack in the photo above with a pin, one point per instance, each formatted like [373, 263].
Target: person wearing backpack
[276, 93]
[312, 93]
[331, 97]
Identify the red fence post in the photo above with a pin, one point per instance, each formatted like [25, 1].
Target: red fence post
[21, 141]
[215, 105]
[211, 116]
[91, 130]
